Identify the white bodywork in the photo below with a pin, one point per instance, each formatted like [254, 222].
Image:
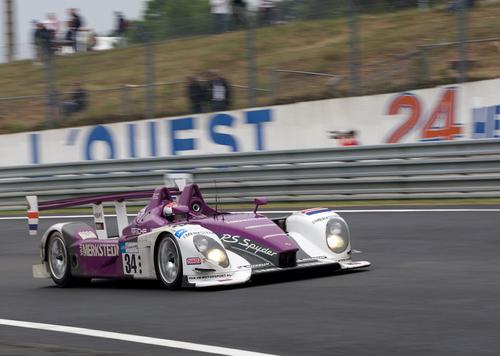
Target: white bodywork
[308, 231]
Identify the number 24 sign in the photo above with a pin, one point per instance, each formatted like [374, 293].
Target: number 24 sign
[440, 125]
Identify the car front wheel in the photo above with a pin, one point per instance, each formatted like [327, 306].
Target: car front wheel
[168, 262]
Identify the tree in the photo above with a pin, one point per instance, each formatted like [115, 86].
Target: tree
[174, 18]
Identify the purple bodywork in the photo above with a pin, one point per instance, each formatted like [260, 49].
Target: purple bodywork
[103, 258]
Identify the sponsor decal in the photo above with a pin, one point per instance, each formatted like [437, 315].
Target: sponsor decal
[184, 233]
[129, 247]
[247, 245]
[99, 250]
[87, 235]
[314, 211]
[210, 277]
[180, 233]
[260, 265]
[193, 261]
[138, 231]
[320, 219]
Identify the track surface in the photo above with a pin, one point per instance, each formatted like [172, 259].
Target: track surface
[433, 290]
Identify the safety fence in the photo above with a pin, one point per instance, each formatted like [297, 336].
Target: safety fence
[374, 46]
[464, 169]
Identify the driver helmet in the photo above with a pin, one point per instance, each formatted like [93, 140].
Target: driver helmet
[168, 210]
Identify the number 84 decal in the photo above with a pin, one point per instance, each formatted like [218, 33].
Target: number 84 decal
[440, 125]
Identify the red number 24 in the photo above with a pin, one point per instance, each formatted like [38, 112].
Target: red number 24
[443, 113]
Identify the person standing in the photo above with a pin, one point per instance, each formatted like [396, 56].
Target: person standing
[221, 12]
[266, 12]
[77, 101]
[220, 92]
[121, 28]
[239, 12]
[196, 94]
[74, 25]
[43, 42]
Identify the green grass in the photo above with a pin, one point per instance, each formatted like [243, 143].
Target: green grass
[318, 46]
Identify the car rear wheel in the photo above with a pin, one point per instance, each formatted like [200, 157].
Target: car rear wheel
[58, 259]
[168, 262]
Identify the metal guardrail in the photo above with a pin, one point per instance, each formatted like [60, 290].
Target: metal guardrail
[460, 169]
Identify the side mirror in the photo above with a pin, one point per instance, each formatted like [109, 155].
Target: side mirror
[258, 202]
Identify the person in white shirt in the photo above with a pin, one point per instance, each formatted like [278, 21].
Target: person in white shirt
[221, 11]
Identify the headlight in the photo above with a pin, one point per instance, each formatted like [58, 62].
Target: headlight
[211, 249]
[337, 235]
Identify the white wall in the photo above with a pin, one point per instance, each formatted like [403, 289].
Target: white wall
[461, 112]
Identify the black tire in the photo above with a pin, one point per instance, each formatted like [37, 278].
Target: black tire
[60, 265]
[58, 260]
[168, 257]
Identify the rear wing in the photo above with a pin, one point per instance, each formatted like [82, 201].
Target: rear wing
[96, 201]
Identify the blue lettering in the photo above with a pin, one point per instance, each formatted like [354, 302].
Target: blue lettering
[131, 140]
[72, 136]
[35, 148]
[258, 118]
[152, 139]
[486, 122]
[220, 138]
[99, 133]
[181, 144]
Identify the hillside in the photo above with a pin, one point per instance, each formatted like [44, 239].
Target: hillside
[388, 63]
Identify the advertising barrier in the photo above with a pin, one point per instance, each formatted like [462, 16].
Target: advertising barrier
[468, 111]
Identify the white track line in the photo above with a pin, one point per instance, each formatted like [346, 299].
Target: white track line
[131, 338]
[447, 210]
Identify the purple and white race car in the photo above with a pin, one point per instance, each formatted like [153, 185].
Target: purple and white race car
[181, 241]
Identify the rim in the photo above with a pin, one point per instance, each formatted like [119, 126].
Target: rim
[168, 260]
[57, 258]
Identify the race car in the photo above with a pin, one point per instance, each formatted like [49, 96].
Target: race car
[181, 241]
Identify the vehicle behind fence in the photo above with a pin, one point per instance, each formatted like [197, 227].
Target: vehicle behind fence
[296, 51]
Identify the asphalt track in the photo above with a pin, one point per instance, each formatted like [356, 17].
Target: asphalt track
[433, 290]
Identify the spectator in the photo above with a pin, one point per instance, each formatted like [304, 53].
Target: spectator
[454, 5]
[121, 24]
[77, 101]
[52, 24]
[196, 92]
[121, 28]
[239, 12]
[221, 11]
[219, 92]
[42, 41]
[266, 12]
[74, 25]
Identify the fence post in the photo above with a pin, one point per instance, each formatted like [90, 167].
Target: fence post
[251, 64]
[273, 92]
[9, 30]
[423, 65]
[354, 55]
[52, 109]
[150, 110]
[124, 90]
[423, 4]
[462, 39]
